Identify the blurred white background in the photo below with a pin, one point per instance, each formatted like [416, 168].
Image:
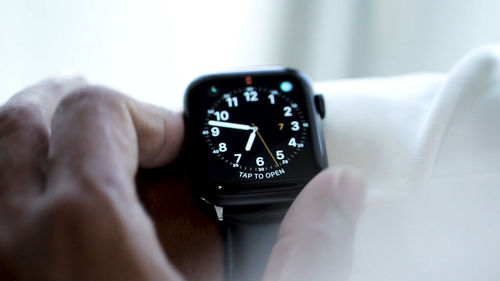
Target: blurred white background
[152, 49]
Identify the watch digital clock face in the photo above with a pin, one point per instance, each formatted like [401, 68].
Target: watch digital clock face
[254, 128]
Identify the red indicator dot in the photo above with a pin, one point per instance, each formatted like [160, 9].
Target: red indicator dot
[248, 80]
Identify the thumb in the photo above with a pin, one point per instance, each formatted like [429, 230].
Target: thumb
[316, 237]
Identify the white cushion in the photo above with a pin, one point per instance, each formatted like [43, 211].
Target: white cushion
[430, 148]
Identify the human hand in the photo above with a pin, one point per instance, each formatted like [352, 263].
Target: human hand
[69, 209]
[68, 203]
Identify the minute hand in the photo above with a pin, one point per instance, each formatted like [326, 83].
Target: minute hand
[230, 125]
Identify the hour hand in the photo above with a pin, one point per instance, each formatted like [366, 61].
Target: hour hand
[230, 125]
[251, 138]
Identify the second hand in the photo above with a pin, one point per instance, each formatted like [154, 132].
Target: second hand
[265, 145]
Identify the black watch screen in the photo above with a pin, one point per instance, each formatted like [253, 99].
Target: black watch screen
[254, 129]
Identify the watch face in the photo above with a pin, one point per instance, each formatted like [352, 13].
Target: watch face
[254, 129]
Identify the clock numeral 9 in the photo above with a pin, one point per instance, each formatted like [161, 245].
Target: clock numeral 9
[215, 131]
[221, 115]
[222, 147]
[259, 161]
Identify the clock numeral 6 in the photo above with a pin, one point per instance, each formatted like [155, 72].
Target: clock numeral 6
[259, 161]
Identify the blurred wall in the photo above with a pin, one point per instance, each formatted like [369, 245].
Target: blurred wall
[152, 49]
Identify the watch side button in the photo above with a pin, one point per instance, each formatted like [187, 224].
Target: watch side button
[319, 102]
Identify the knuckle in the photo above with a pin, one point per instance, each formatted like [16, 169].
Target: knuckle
[55, 85]
[91, 98]
[26, 118]
[60, 83]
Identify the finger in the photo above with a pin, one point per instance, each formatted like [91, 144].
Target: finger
[24, 134]
[160, 133]
[100, 132]
[99, 137]
[316, 236]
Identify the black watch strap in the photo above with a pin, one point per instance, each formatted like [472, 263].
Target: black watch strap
[250, 234]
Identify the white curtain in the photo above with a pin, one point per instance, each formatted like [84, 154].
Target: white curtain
[335, 38]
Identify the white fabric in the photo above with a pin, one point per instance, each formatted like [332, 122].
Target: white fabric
[429, 146]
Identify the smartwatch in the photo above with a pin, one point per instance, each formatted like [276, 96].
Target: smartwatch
[253, 140]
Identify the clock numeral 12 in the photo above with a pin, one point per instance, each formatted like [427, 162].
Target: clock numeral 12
[251, 96]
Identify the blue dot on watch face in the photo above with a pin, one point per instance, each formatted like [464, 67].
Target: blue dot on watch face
[286, 86]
